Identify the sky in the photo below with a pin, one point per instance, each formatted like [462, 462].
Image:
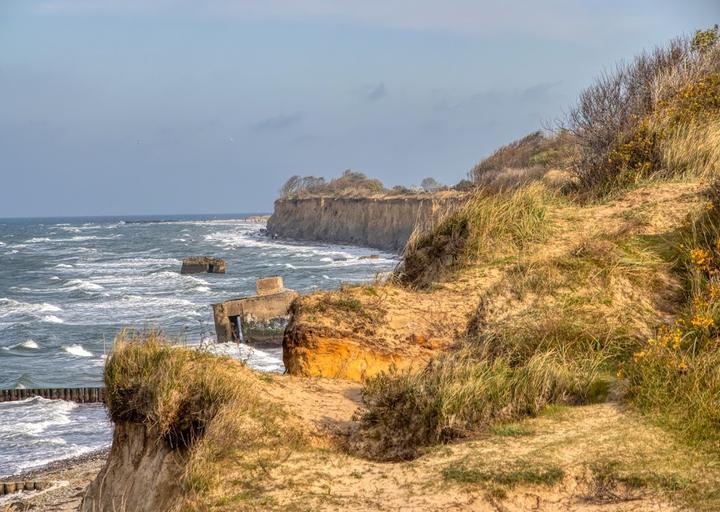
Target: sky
[119, 107]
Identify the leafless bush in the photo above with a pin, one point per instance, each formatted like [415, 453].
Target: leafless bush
[610, 110]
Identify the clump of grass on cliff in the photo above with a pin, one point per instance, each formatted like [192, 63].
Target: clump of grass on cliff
[486, 226]
[211, 409]
[524, 161]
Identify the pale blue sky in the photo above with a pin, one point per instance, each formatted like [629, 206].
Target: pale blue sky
[159, 106]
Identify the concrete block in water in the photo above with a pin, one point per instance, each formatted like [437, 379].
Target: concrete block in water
[203, 265]
[255, 319]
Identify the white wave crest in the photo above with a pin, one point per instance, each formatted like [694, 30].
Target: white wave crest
[10, 307]
[52, 319]
[77, 350]
[28, 344]
[80, 284]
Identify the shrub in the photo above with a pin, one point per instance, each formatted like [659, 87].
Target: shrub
[350, 182]
[676, 374]
[616, 121]
[523, 161]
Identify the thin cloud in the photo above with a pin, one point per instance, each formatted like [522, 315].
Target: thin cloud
[375, 92]
[277, 123]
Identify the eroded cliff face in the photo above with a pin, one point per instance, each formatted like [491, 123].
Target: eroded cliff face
[384, 222]
[141, 474]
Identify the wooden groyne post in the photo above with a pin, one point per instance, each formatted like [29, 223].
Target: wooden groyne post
[79, 395]
[25, 485]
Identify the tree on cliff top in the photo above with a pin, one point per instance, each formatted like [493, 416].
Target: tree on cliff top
[349, 182]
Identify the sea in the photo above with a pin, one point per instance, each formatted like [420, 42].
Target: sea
[68, 285]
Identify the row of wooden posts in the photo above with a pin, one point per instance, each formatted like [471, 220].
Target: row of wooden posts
[26, 485]
[79, 395]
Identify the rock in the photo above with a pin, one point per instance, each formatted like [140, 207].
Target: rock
[202, 265]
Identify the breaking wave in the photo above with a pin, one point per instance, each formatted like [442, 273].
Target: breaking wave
[77, 350]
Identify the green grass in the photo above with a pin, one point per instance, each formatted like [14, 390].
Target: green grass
[519, 472]
[511, 430]
[466, 391]
[488, 225]
[674, 376]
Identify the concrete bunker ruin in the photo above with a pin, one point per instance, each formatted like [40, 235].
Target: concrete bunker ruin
[259, 318]
[203, 265]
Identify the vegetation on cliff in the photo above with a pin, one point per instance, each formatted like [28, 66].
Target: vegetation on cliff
[656, 118]
[213, 410]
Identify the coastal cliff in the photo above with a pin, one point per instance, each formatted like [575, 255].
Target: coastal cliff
[380, 221]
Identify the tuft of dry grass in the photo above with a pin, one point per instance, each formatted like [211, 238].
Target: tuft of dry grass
[211, 408]
[463, 392]
[487, 225]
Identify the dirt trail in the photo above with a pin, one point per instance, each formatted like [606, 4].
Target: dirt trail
[577, 441]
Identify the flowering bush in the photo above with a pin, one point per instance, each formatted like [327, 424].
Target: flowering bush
[676, 374]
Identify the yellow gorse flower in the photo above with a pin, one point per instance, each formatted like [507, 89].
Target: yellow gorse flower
[702, 321]
[701, 258]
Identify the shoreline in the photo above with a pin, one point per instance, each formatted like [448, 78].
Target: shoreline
[68, 478]
[59, 465]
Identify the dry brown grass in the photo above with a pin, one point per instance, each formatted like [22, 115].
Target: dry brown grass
[486, 226]
[212, 408]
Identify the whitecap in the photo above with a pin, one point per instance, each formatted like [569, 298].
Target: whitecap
[52, 319]
[77, 350]
[10, 307]
[80, 284]
[27, 344]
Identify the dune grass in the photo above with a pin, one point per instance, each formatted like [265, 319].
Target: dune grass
[212, 409]
[465, 391]
[487, 225]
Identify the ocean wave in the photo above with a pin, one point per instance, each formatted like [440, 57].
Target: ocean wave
[77, 350]
[52, 319]
[27, 344]
[80, 284]
[10, 307]
[54, 412]
[49, 430]
[267, 360]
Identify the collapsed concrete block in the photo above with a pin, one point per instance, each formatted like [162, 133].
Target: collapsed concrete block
[269, 285]
[203, 265]
[256, 319]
